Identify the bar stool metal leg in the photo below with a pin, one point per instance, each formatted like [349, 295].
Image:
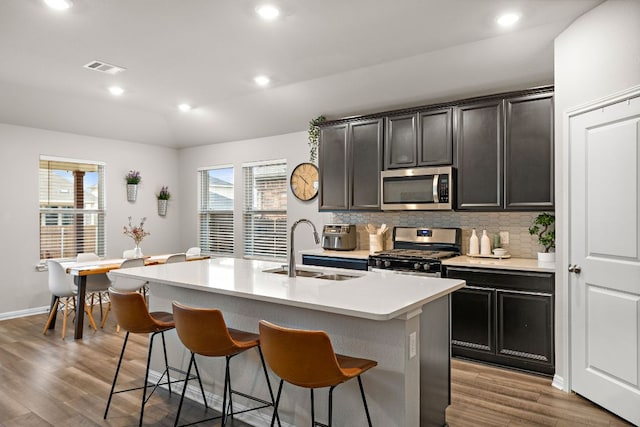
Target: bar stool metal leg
[266, 376]
[275, 405]
[192, 362]
[364, 400]
[166, 362]
[115, 377]
[184, 390]
[204, 398]
[313, 411]
[146, 378]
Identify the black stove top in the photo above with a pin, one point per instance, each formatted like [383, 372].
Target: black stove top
[418, 249]
[415, 254]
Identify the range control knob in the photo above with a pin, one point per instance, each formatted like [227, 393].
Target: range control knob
[429, 267]
[417, 266]
[378, 263]
[387, 263]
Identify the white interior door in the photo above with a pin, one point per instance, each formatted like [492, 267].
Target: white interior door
[604, 147]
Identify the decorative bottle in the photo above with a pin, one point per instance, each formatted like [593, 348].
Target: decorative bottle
[485, 244]
[474, 244]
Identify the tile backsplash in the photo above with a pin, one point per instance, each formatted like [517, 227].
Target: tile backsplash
[521, 243]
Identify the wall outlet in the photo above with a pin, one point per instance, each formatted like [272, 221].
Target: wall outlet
[412, 345]
[504, 237]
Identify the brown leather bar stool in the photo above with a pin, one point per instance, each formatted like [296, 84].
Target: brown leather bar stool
[132, 314]
[306, 359]
[204, 332]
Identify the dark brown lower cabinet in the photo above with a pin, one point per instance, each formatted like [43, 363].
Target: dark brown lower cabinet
[504, 318]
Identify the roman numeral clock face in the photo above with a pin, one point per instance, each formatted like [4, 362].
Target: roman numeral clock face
[304, 181]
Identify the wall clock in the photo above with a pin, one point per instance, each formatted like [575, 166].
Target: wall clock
[304, 181]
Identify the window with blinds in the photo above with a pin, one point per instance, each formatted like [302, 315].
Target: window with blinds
[265, 210]
[72, 208]
[216, 211]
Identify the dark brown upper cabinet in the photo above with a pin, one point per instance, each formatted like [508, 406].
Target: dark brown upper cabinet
[333, 162]
[501, 146]
[435, 137]
[480, 155]
[350, 160]
[529, 177]
[400, 145]
[419, 139]
[505, 154]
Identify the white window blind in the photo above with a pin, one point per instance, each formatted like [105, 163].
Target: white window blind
[72, 208]
[265, 210]
[216, 211]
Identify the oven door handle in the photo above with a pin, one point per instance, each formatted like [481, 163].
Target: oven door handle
[407, 273]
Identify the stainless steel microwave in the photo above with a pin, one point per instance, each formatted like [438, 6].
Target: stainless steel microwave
[417, 189]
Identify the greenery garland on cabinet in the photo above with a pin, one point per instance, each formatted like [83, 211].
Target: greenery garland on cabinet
[314, 136]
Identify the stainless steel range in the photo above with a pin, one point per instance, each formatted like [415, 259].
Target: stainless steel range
[418, 250]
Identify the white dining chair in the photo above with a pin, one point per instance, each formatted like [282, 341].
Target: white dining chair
[126, 283]
[176, 258]
[194, 251]
[97, 284]
[63, 289]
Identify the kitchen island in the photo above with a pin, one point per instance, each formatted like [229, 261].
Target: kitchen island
[400, 321]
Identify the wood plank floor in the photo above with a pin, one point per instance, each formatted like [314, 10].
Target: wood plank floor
[483, 395]
[45, 381]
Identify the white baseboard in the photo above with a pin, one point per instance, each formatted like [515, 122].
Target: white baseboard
[24, 313]
[254, 418]
[558, 382]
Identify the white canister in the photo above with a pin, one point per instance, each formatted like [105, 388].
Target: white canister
[376, 243]
[474, 244]
[485, 244]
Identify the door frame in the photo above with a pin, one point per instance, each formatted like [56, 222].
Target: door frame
[563, 214]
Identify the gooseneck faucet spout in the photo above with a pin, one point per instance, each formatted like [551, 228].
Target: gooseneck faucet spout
[292, 253]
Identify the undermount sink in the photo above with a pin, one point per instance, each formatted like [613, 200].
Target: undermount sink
[300, 273]
[336, 276]
[312, 274]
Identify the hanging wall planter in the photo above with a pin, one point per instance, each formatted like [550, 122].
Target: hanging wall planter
[133, 179]
[132, 192]
[163, 200]
[162, 207]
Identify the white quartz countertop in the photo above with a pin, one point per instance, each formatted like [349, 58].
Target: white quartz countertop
[370, 295]
[357, 254]
[524, 264]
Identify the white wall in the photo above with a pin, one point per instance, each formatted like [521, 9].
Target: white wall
[22, 287]
[293, 147]
[599, 54]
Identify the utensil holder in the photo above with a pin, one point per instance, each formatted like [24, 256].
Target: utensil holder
[376, 243]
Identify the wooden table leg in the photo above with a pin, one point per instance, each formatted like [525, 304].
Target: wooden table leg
[81, 282]
[54, 306]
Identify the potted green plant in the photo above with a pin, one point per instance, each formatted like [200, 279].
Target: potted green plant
[163, 200]
[133, 179]
[543, 227]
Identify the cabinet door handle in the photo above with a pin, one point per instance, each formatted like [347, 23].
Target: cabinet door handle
[575, 269]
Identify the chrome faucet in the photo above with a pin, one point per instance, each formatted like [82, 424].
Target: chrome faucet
[292, 254]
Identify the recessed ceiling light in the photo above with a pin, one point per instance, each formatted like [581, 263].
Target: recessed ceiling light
[261, 80]
[184, 107]
[268, 12]
[59, 4]
[508, 19]
[116, 90]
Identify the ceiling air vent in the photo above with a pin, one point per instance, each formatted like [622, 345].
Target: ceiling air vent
[103, 67]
